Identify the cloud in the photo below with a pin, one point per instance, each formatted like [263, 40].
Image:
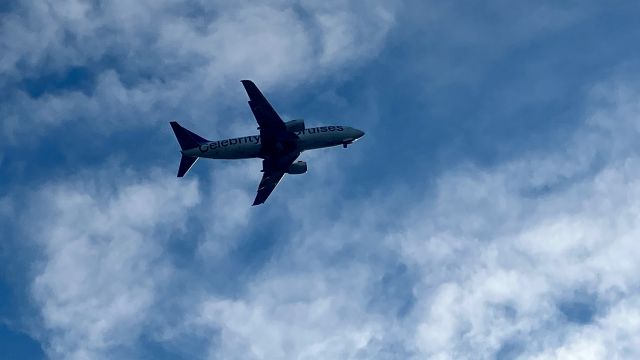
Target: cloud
[102, 257]
[489, 268]
[145, 61]
[612, 335]
[533, 257]
[486, 265]
[292, 315]
[497, 264]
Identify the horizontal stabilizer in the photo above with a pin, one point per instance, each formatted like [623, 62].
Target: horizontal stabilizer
[186, 162]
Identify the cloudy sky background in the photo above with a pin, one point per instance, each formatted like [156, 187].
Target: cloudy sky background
[491, 211]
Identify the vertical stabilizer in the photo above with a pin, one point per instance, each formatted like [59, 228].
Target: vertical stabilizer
[186, 138]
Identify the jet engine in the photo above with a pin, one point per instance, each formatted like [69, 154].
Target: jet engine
[298, 167]
[295, 125]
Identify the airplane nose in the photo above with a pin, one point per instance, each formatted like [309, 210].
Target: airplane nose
[359, 133]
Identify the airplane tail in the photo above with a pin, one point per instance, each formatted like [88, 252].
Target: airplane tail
[187, 140]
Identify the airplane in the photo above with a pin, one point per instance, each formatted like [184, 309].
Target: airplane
[278, 145]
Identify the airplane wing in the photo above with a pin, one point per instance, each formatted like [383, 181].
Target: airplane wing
[273, 171]
[274, 135]
[279, 146]
[269, 122]
[267, 184]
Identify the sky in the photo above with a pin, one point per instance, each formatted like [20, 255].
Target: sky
[491, 211]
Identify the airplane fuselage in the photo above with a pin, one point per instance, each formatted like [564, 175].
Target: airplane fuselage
[248, 147]
[279, 144]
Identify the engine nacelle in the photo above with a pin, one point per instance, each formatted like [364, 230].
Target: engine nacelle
[295, 125]
[298, 167]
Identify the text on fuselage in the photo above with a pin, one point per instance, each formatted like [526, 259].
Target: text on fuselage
[255, 139]
[320, 129]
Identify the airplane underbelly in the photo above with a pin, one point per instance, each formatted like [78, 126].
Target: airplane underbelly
[316, 142]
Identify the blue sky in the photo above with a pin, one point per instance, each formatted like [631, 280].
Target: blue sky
[490, 211]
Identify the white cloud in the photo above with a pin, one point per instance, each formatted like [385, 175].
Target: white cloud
[496, 263]
[154, 58]
[102, 257]
[612, 336]
[491, 264]
[489, 253]
[299, 315]
[229, 213]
